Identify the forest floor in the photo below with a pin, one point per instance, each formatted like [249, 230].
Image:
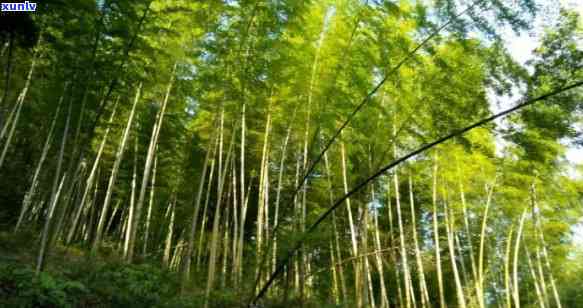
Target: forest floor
[72, 279]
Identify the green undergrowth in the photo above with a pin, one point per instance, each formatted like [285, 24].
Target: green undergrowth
[71, 279]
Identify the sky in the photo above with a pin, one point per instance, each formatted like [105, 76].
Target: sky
[521, 47]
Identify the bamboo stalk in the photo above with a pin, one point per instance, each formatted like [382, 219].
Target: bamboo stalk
[148, 167]
[112, 180]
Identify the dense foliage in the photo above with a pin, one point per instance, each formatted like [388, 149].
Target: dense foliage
[185, 153]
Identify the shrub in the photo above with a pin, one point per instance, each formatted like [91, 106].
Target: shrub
[124, 285]
[19, 287]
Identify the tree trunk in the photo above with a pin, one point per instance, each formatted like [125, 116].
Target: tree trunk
[421, 272]
[132, 196]
[541, 275]
[357, 276]
[30, 194]
[112, 217]
[462, 262]
[543, 249]
[507, 282]
[278, 192]
[335, 284]
[194, 221]
[516, 295]
[236, 216]
[178, 252]
[150, 205]
[216, 220]
[148, 168]
[61, 151]
[475, 277]
[409, 293]
[91, 178]
[243, 193]
[535, 282]
[113, 178]
[57, 211]
[393, 246]
[336, 237]
[262, 198]
[449, 227]
[8, 72]
[69, 197]
[482, 243]
[369, 292]
[442, 302]
[205, 207]
[18, 106]
[378, 259]
[46, 230]
[169, 234]
[226, 231]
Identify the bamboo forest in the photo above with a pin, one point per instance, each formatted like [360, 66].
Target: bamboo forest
[290, 153]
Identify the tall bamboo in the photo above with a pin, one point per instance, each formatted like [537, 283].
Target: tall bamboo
[442, 303]
[194, 221]
[92, 176]
[516, 295]
[30, 194]
[113, 178]
[425, 302]
[148, 167]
